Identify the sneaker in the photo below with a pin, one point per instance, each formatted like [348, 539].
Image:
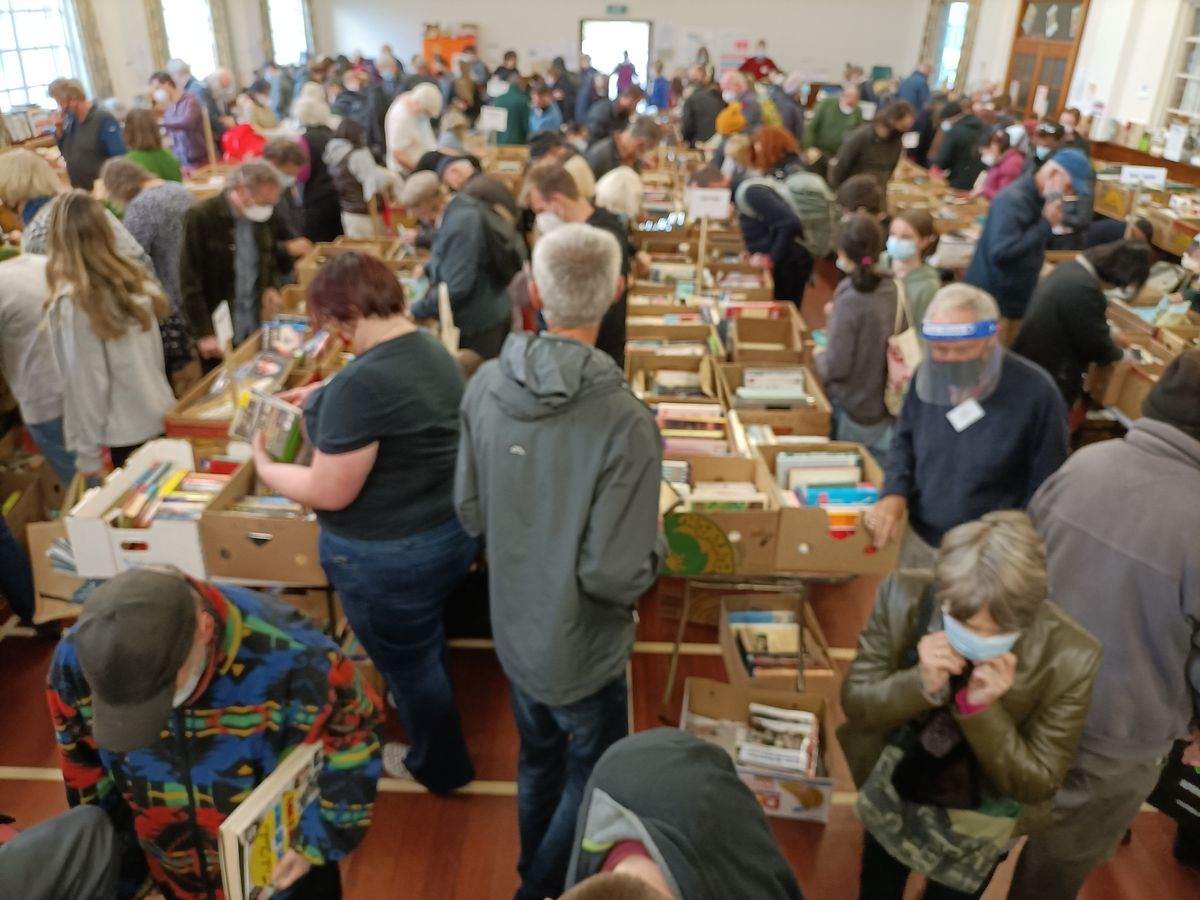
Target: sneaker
[394, 753]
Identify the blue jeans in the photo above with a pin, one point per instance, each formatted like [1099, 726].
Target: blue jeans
[560, 745]
[394, 596]
[53, 444]
[16, 577]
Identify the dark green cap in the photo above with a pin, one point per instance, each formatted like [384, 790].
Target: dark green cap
[134, 634]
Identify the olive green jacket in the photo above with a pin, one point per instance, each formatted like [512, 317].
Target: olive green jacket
[1025, 742]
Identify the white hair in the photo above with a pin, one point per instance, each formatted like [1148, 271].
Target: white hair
[430, 98]
[620, 192]
[980, 304]
[310, 90]
[178, 67]
[576, 269]
[311, 112]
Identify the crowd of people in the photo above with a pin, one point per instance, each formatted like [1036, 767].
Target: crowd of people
[1023, 674]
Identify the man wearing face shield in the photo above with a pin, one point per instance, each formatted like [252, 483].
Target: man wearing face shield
[1020, 223]
[980, 430]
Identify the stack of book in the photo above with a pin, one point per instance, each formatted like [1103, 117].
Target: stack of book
[768, 642]
[673, 383]
[724, 496]
[164, 492]
[280, 423]
[753, 309]
[269, 506]
[784, 741]
[285, 334]
[265, 372]
[668, 348]
[773, 388]
[692, 429]
[831, 481]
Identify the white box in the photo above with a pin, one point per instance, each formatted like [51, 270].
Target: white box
[102, 552]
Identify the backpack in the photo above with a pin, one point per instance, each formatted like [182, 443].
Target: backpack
[809, 197]
[505, 250]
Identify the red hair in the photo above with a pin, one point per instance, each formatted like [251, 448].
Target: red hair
[353, 286]
[771, 144]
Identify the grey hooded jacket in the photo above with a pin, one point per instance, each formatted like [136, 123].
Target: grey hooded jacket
[559, 468]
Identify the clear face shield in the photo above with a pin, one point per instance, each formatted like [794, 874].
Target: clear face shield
[963, 362]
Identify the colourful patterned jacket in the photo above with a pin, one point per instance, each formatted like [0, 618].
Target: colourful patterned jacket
[274, 682]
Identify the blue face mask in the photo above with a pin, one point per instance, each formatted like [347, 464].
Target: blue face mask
[901, 249]
[973, 646]
[1042, 152]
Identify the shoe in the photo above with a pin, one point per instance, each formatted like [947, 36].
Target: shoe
[394, 753]
[47, 631]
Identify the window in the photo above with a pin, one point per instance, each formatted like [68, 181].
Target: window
[952, 44]
[1183, 100]
[607, 41]
[38, 43]
[190, 35]
[289, 29]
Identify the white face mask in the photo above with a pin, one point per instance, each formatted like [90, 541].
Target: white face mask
[258, 213]
[846, 110]
[548, 221]
[988, 159]
[161, 96]
[729, 96]
[1190, 263]
[184, 693]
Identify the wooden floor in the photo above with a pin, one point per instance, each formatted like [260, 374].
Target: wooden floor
[465, 847]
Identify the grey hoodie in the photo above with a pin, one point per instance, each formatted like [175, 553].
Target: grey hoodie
[1121, 524]
[682, 800]
[559, 468]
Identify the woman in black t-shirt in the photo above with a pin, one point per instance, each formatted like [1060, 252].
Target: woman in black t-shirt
[385, 438]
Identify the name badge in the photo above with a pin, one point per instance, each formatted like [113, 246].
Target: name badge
[965, 415]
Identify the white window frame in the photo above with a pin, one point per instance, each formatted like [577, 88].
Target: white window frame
[1173, 72]
[73, 47]
[269, 35]
[198, 70]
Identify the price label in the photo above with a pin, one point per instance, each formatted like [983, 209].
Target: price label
[493, 118]
[1144, 176]
[711, 203]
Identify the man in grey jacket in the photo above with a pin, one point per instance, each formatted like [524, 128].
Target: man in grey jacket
[559, 467]
[1120, 523]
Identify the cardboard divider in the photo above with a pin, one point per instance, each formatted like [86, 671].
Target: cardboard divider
[746, 332]
[783, 795]
[805, 543]
[308, 265]
[640, 368]
[812, 420]
[244, 547]
[1128, 385]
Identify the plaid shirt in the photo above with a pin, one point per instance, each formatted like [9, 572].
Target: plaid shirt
[274, 682]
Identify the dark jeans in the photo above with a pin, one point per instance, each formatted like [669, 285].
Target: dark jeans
[560, 745]
[16, 577]
[883, 877]
[120, 455]
[394, 596]
[487, 343]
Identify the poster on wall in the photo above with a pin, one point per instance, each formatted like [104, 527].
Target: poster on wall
[1041, 101]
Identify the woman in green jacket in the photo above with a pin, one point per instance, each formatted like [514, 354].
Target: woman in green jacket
[964, 707]
[145, 146]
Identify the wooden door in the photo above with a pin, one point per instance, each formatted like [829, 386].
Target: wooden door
[1044, 48]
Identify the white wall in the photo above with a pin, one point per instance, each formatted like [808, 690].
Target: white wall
[816, 37]
[993, 43]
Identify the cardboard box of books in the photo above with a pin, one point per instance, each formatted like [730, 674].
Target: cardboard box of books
[1180, 338]
[739, 281]
[21, 500]
[308, 265]
[773, 641]
[686, 339]
[252, 537]
[694, 430]
[671, 379]
[719, 517]
[147, 513]
[778, 741]
[823, 490]
[1129, 384]
[54, 576]
[788, 398]
[765, 340]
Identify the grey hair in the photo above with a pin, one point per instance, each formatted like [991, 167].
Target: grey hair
[421, 189]
[311, 112]
[620, 192]
[646, 130]
[997, 563]
[253, 175]
[178, 67]
[576, 269]
[980, 304]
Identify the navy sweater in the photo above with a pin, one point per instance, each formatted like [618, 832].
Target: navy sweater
[1012, 248]
[998, 463]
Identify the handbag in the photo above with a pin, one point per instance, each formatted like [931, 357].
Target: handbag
[903, 353]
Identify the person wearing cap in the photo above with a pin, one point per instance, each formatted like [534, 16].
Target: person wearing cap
[407, 127]
[959, 158]
[1004, 162]
[980, 429]
[172, 699]
[1020, 222]
[1047, 141]
[460, 175]
[1119, 521]
[460, 259]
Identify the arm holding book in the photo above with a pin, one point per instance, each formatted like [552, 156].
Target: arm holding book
[332, 482]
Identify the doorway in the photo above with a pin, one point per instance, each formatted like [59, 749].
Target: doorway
[607, 41]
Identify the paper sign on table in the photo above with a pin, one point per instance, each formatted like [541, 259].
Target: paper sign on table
[712, 203]
[493, 118]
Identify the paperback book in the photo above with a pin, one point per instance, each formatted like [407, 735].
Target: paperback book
[279, 422]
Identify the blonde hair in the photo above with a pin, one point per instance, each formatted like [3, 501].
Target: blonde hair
[82, 257]
[25, 175]
[997, 563]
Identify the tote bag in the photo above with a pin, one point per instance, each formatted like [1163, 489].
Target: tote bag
[903, 353]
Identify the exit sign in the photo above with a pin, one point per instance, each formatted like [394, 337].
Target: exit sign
[615, 9]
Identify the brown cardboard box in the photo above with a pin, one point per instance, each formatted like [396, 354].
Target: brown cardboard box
[724, 543]
[765, 291]
[640, 367]
[818, 675]
[262, 549]
[805, 543]
[29, 506]
[783, 796]
[1127, 320]
[812, 420]
[745, 332]
[53, 590]
[1128, 386]
[1180, 338]
[308, 266]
